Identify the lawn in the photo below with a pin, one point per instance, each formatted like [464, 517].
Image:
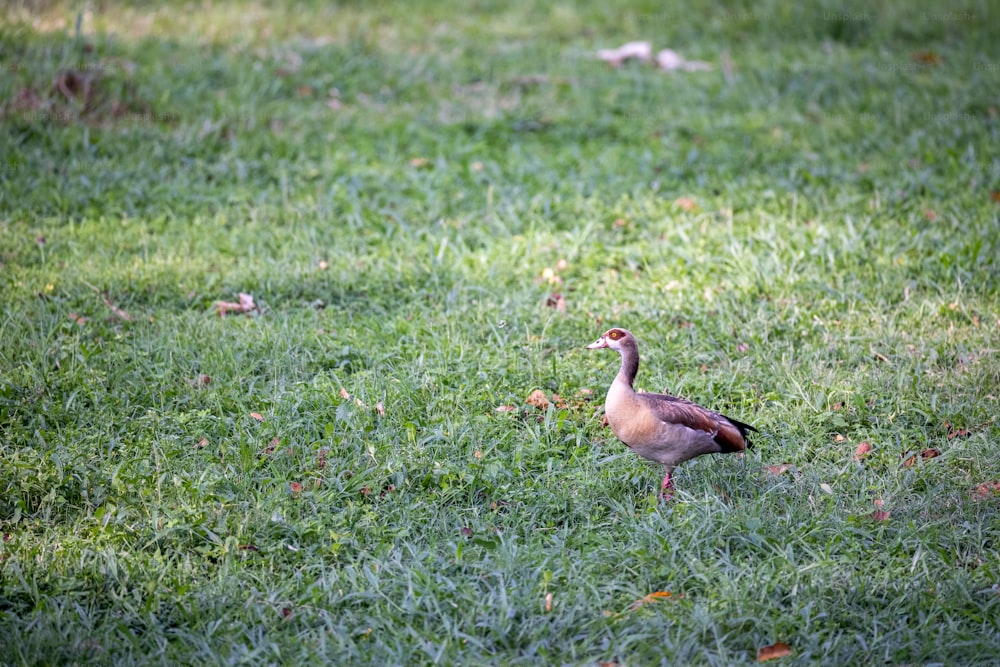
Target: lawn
[434, 207]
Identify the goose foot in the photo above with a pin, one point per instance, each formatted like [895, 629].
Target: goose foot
[667, 490]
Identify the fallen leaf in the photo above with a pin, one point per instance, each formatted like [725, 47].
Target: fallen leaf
[116, 311]
[204, 380]
[506, 408]
[652, 597]
[838, 438]
[880, 515]
[201, 443]
[781, 469]
[928, 453]
[245, 305]
[863, 449]
[774, 651]
[321, 459]
[957, 433]
[995, 195]
[926, 57]
[537, 399]
[344, 394]
[930, 215]
[878, 502]
[685, 203]
[257, 416]
[380, 409]
[826, 488]
[557, 301]
[549, 275]
[548, 602]
[419, 162]
[80, 320]
[881, 357]
[478, 454]
[272, 446]
[365, 491]
[295, 487]
[619, 223]
[986, 490]
[670, 60]
[641, 51]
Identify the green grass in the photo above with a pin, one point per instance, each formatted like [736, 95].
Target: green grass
[390, 181]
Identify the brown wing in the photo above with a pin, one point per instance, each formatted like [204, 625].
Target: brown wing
[728, 433]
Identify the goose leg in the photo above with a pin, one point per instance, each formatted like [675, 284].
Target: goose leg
[667, 490]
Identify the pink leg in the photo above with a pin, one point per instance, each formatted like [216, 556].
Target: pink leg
[667, 491]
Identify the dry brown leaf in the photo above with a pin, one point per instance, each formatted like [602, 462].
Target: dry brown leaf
[80, 320]
[344, 394]
[926, 57]
[781, 469]
[478, 454]
[928, 453]
[652, 597]
[321, 459]
[685, 203]
[245, 305]
[863, 449]
[957, 432]
[295, 487]
[537, 399]
[557, 301]
[116, 311]
[506, 408]
[380, 409]
[257, 416]
[548, 602]
[986, 490]
[880, 515]
[774, 651]
[201, 443]
[995, 195]
[641, 51]
[838, 438]
[670, 61]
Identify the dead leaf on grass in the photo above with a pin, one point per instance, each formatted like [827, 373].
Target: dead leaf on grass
[548, 602]
[781, 469]
[79, 320]
[863, 449]
[670, 61]
[557, 301]
[986, 490]
[256, 416]
[928, 453]
[380, 409]
[506, 408]
[641, 51]
[116, 311]
[774, 651]
[538, 399]
[296, 487]
[685, 203]
[880, 515]
[201, 444]
[272, 446]
[245, 305]
[655, 596]
[926, 57]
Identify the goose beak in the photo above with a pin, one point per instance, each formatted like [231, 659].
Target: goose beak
[598, 344]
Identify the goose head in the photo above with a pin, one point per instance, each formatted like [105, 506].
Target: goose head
[614, 338]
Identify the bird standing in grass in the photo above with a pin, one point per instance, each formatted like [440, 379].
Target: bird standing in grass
[659, 427]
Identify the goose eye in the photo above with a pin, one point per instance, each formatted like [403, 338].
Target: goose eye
[614, 335]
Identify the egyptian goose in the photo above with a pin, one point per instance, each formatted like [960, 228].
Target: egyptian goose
[659, 427]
